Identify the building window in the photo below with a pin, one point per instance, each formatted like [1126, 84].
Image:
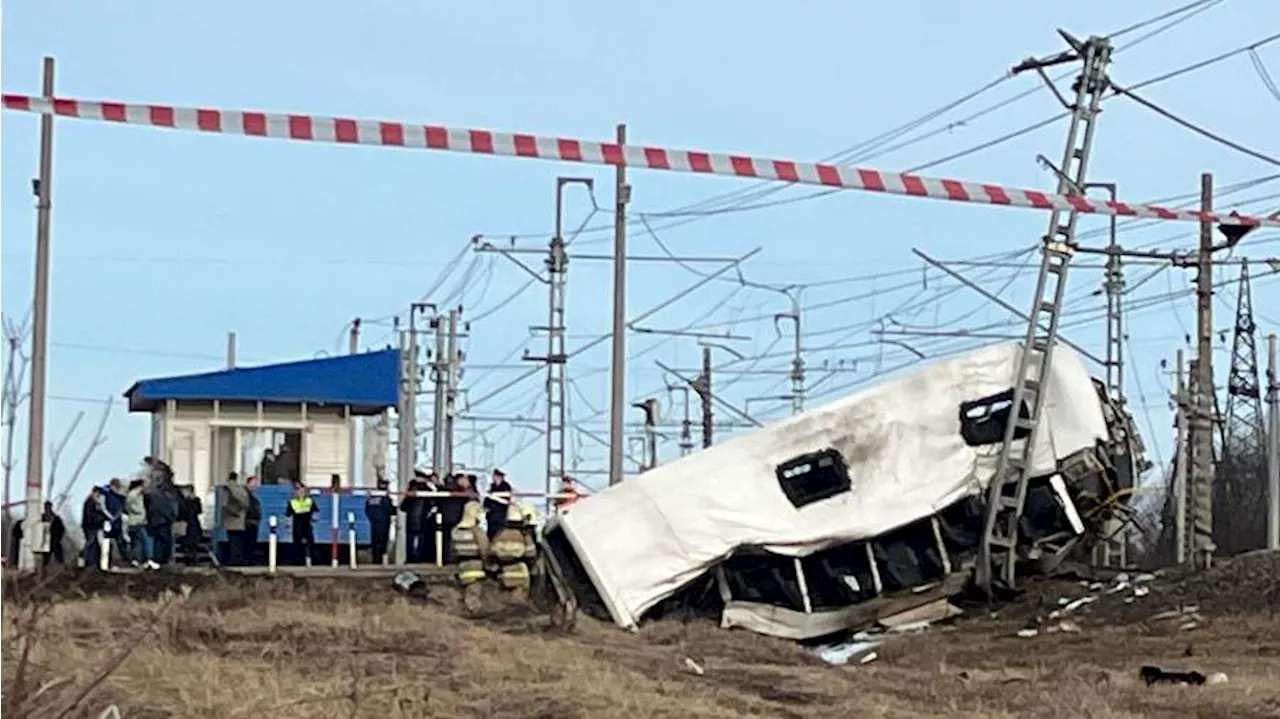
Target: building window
[813, 477]
[983, 421]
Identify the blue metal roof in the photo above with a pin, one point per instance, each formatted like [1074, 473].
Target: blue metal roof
[369, 382]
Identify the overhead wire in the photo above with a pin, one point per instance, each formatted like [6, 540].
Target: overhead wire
[1263, 74]
[1194, 127]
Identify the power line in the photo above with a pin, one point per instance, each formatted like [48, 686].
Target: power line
[1198, 129]
[1263, 74]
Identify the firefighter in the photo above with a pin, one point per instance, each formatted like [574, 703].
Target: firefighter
[470, 547]
[529, 528]
[508, 552]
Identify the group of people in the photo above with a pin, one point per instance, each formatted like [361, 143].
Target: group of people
[491, 537]
[140, 518]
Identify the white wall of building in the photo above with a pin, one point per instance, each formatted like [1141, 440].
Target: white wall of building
[183, 434]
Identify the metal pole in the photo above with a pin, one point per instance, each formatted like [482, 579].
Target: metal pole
[704, 393]
[353, 346]
[1202, 419]
[1273, 446]
[618, 363]
[40, 316]
[231, 350]
[1180, 468]
[451, 390]
[440, 372]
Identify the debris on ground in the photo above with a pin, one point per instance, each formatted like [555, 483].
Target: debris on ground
[1155, 675]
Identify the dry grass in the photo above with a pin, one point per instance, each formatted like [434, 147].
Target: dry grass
[329, 649]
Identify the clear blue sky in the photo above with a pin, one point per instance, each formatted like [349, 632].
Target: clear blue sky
[165, 241]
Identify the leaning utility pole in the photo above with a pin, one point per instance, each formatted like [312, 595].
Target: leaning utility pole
[1201, 469]
[997, 551]
[618, 361]
[40, 326]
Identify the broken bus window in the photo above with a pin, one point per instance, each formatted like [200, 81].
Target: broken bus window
[813, 477]
[983, 421]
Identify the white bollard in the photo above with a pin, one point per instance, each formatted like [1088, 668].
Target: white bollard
[272, 544]
[439, 541]
[351, 539]
[104, 546]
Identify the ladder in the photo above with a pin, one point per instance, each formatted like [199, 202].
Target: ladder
[1006, 495]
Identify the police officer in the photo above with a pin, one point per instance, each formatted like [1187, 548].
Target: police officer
[379, 508]
[301, 512]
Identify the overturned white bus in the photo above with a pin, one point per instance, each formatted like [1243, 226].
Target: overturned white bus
[802, 527]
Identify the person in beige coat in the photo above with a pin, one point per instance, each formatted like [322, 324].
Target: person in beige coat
[235, 509]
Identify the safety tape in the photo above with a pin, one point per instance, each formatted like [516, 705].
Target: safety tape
[316, 128]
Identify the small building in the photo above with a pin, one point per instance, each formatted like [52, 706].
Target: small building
[280, 422]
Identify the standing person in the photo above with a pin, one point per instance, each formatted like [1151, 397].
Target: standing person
[415, 521]
[500, 499]
[433, 536]
[93, 517]
[451, 512]
[235, 508]
[161, 498]
[57, 535]
[301, 512]
[507, 549]
[190, 507]
[267, 467]
[379, 508]
[471, 547]
[135, 524]
[252, 520]
[113, 501]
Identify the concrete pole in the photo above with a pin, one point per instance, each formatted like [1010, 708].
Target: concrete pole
[1202, 469]
[451, 390]
[353, 347]
[618, 361]
[40, 315]
[231, 350]
[440, 372]
[1273, 445]
[704, 394]
[1180, 468]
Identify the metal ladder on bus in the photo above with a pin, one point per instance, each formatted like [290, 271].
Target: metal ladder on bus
[1006, 495]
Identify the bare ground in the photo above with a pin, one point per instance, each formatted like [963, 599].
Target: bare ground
[328, 648]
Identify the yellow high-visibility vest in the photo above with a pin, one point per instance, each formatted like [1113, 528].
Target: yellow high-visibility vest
[300, 505]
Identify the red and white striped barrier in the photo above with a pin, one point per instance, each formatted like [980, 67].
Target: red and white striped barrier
[316, 128]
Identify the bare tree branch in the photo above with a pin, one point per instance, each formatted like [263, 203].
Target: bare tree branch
[14, 379]
[99, 439]
[55, 453]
